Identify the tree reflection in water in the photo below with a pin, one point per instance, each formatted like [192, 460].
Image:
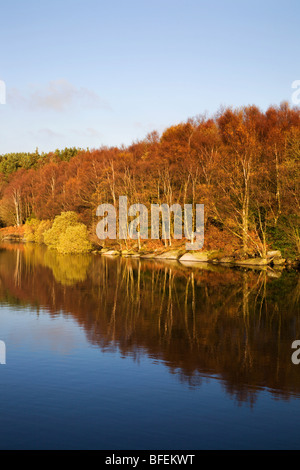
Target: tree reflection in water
[200, 321]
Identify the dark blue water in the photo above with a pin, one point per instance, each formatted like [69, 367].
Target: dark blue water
[98, 376]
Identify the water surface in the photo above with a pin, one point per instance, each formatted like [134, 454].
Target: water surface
[106, 353]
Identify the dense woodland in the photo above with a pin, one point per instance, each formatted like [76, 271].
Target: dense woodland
[243, 164]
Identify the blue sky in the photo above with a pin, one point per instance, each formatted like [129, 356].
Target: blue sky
[87, 73]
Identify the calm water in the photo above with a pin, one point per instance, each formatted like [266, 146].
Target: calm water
[127, 354]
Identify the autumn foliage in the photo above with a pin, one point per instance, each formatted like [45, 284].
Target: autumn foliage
[243, 164]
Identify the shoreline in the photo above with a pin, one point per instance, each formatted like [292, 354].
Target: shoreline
[273, 258]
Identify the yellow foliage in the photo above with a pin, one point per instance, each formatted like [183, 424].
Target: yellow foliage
[74, 240]
[60, 225]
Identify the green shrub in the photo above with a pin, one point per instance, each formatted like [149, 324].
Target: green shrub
[74, 240]
[43, 227]
[60, 225]
[34, 230]
[30, 228]
[286, 237]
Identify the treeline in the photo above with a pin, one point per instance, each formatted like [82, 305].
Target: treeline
[11, 162]
[243, 164]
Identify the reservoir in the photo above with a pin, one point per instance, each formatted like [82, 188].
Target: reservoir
[118, 353]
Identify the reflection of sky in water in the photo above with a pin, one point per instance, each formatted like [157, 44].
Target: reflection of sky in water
[80, 397]
[38, 331]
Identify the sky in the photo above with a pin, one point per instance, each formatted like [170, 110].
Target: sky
[88, 73]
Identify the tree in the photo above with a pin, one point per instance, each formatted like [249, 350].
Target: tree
[60, 225]
[74, 240]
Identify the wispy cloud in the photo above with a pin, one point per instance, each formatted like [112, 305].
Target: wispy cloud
[89, 132]
[47, 133]
[57, 95]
